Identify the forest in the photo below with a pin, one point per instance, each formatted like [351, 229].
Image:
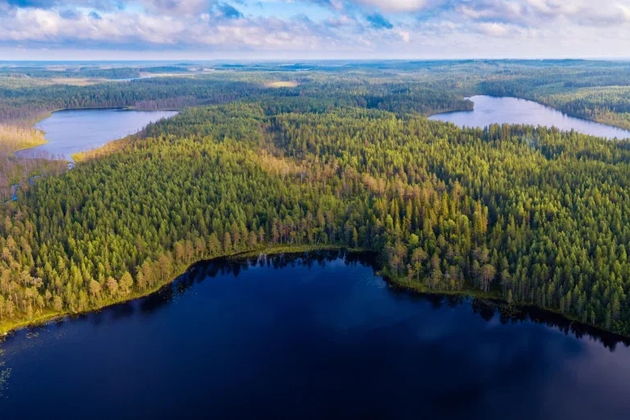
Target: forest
[528, 215]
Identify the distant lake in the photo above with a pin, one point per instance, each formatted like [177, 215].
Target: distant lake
[312, 336]
[493, 110]
[73, 131]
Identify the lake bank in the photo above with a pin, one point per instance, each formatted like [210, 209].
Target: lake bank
[300, 334]
[497, 300]
[404, 284]
[508, 110]
[78, 130]
[7, 328]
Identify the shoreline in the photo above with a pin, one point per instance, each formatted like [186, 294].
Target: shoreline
[497, 300]
[610, 124]
[493, 299]
[71, 160]
[9, 328]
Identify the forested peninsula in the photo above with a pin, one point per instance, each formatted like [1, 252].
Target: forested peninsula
[529, 215]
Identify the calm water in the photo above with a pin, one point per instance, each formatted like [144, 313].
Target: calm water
[310, 337]
[75, 131]
[492, 110]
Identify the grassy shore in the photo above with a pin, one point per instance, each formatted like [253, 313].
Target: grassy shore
[14, 138]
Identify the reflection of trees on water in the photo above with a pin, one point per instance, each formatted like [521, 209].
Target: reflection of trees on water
[205, 271]
[508, 314]
[487, 309]
[234, 266]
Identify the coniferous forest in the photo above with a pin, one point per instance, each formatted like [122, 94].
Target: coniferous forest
[529, 215]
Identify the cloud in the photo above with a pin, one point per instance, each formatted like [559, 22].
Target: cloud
[68, 14]
[178, 7]
[344, 28]
[395, 5]
[67, 4]
[537, 12]
[494, 28]
[139, 30]
[405, 36]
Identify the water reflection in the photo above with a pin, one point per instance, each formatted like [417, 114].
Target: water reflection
[312, 336]
[490, 110]
[487, 309]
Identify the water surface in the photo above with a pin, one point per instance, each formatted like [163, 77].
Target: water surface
[318, 336]
[504, 110]
[78, 130]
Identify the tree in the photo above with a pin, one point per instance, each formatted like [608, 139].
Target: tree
[487, 274]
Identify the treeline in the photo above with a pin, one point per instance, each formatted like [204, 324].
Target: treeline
[608, 105]
[24, 104]
[28, 103]
[531, 215]
[597, 91]
[586, 89]
[537, 216]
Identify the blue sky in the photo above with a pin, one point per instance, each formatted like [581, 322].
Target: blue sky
[303, 29]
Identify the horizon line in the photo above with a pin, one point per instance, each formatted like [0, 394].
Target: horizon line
[279, 59]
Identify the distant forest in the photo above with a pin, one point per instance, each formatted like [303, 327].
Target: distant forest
[346, 157]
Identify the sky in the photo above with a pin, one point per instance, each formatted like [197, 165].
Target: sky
[313, 29]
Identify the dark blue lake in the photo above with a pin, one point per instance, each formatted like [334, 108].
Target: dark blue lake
[315, 336]
[505, 110]
[78, 130]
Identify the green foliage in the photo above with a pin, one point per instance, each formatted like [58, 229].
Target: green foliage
[586, 89]
[531, 214]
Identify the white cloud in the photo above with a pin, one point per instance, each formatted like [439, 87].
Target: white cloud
[138, 30]
[494, 28]
[539, 12]
[179, 7]
[396, 5]
[405, 36]
[421, 28]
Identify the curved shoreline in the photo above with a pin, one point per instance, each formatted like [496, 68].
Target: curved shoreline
[548, 107]
[49, 114]
[528, 308]
[51, 315]
[11, 327]
[548, 316]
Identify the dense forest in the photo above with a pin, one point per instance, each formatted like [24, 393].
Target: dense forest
[595, 90]
[533, 216]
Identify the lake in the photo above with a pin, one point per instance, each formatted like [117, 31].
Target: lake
[494, 110]
[78, 130]
[311, 336]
